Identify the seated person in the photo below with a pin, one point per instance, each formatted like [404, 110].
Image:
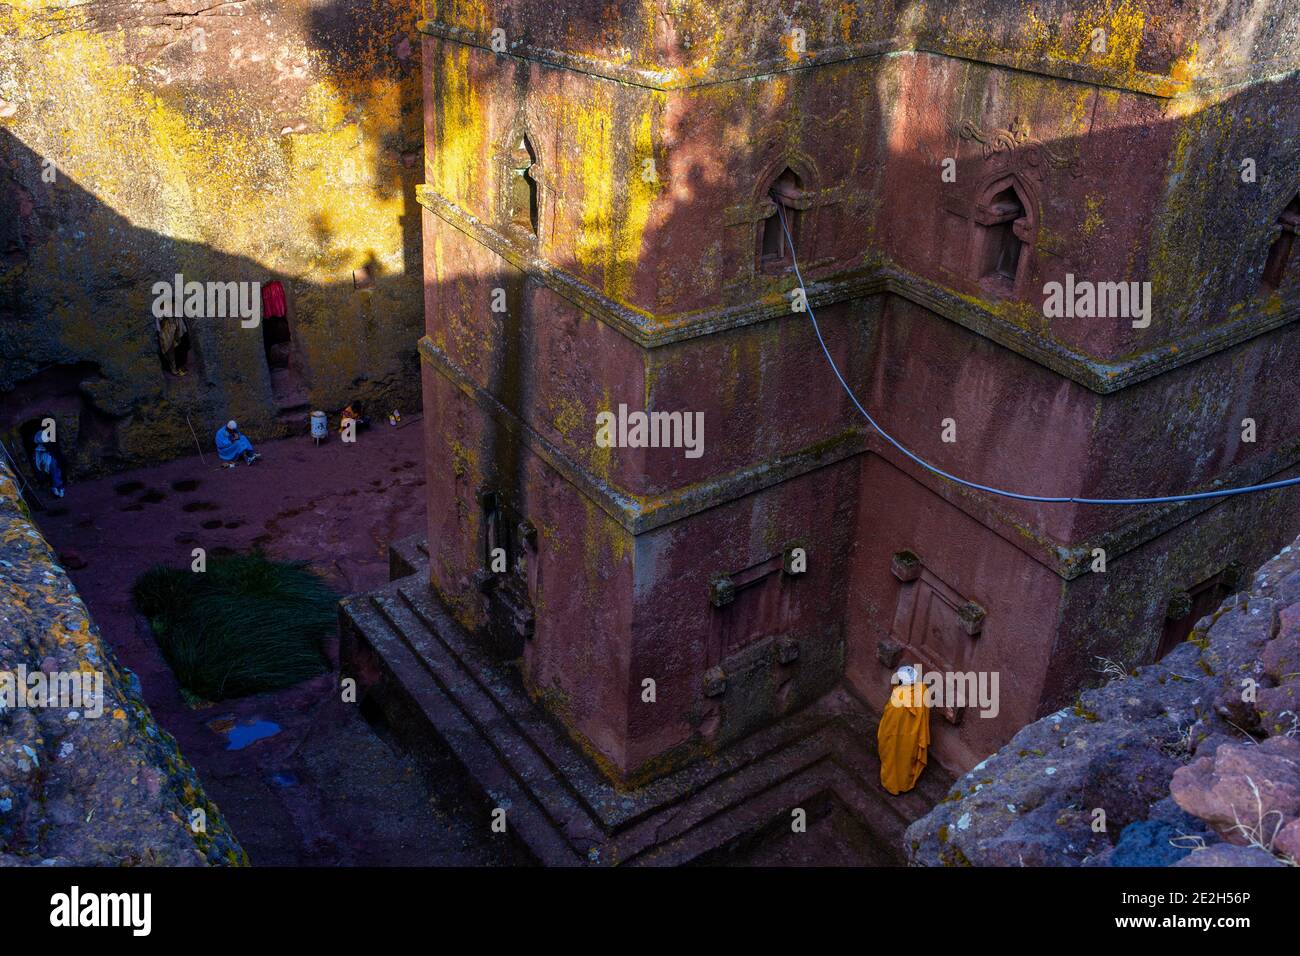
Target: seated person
[231, 444]
[352, 413]
[47, 463]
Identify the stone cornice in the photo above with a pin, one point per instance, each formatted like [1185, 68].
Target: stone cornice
[651, 330]
[685, 78]
[638, 514]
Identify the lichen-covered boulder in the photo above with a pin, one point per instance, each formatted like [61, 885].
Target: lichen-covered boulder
[97, 783]
[1091, 784]
[1052, 796]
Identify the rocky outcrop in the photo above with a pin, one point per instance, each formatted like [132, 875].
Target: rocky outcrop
[86, 776]
[1193, 761]
[1246, 792]
[250, 142]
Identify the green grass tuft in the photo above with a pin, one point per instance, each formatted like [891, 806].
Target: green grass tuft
[246, 624]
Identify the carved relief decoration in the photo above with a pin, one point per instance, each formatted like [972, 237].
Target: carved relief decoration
[1014, 148]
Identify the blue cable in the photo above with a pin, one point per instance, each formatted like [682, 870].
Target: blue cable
[1170, 499]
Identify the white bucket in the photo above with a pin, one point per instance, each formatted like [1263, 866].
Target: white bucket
[319, 425]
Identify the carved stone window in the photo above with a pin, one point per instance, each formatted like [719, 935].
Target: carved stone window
[1003, 239]
[1279, 252]
[750, 605]
[523, 200]
[788, 198]
[509, 579]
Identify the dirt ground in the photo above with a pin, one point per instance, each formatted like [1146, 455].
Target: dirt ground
[314, 783]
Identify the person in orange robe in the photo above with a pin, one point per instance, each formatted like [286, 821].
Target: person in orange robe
[903, 736]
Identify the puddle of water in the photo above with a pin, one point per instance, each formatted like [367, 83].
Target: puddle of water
[241, 735]
[284, 779]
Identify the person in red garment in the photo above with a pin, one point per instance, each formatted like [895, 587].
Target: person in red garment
[903, 737]
[274, 305]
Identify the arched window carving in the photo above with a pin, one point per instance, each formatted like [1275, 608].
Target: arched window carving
[1279, 251]
[774, 248]
[523, 193]
[1005, 226]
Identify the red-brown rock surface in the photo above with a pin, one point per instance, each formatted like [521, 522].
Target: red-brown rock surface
[1247, 792]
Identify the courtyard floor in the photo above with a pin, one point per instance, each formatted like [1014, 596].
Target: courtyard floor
[324, 786]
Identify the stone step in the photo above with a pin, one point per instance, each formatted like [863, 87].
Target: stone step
[858, 758]
[931, 787]
[560, 806]
[709, 814]
[551, 743]
[416, 703]
[616, 809]
[513, 749]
